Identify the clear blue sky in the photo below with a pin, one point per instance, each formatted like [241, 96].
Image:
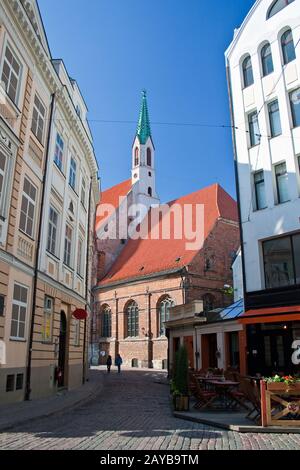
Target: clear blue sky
[175, 50]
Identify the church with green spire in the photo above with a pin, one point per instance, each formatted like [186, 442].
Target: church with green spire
[143, 160]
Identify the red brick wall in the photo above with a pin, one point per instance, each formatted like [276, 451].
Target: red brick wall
[149, 349]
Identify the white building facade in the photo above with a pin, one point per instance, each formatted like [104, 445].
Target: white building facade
[263, 68]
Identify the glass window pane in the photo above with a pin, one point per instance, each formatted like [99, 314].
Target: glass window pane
[248, 72]
[274, 116]
[295, 107]
[278, 261]
[267, 61]
[254, 129]
[282, 183]
[14, 328]
[296, 248]
[288, 48]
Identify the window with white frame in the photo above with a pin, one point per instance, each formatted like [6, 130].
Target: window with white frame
[282, 183]
[68, 245]
[79, 257]
[48, 317]
[254, 131]
[19, 309]
[72, 175]
[11, 74]
[260, 191]
[52, 231]
[3, 165]
[77, 332]
[83, 192]
[59, 151]
[28, 208]
[38, 118]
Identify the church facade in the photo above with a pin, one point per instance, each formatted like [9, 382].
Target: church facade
[147, 264]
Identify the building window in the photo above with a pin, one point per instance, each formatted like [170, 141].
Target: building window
[10, 383]
[282, 261]
[254, 129]
[3, 166]
[48, 317]
[78, 111]
[282, 183]
[72, 175]
[274, 118]
[277, 6]
[247, 72]
[68, 246]
[260, 193]
[59, 151]
[150, 191]
[106, 322]
[19, 309]
[83, 192]
[164, 314]
[19, 381]
[27, 208]
[136, 156]
[149, 157]
[267, 60]
[295, 107]
[288, 48]
[11, 74]
[79, 257]
[132, 313]
[208, 302]
[52, 231]
[77, 332]
[38, 118]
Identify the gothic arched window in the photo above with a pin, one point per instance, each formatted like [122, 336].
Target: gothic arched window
[247, 72]
[132, 314]
[136, 156]
[288, 48]
[106, 322]
[267, 60]
[277, 6]
[164, 314]
[208, 302]
[149, 157]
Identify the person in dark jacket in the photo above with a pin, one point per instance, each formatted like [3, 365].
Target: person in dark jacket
[108, 363]
[119, 362]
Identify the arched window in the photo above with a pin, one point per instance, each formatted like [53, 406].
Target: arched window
[164, 314]
[150, 191]
[132, 313]
[149, 157]
[288, 48]
[247, 72]
[106, 322]
[208, 302]
[267, 60]
[277, 6]
[136, 156]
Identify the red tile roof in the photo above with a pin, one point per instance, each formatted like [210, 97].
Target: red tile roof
[111, 196]
[148, 256]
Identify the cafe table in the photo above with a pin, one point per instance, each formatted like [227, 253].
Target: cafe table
[222, 389]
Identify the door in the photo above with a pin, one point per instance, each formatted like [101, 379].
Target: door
[62, 349]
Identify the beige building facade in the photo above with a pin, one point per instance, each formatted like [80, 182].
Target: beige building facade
[48, 192]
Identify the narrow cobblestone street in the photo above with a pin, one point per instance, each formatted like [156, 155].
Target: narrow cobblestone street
[133, 412]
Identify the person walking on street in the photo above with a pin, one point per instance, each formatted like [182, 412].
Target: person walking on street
[108, 364]
[119, 362]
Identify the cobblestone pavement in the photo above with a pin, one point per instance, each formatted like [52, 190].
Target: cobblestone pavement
[133, 412]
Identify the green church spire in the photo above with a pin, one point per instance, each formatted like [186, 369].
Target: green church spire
[143, 128]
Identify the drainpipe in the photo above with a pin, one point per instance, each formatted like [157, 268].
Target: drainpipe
[236, 175]
[87, 284]
[37, 255]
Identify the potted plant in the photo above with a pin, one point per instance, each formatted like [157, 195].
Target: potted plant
[179, 385]
[282, 383]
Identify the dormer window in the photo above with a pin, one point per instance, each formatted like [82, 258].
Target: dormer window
[277, 6]
[136, 156]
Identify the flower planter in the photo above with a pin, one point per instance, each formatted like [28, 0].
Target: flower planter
[282, 387]
[181, 403]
